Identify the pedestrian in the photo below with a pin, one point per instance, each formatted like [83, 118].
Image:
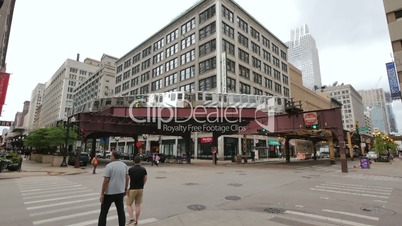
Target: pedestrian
[94, 163]
[155, 159]
[138, 178]
[114, 188]
[252, 155]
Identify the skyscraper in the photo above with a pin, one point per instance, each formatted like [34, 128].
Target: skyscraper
[303, 54]
[6, 17]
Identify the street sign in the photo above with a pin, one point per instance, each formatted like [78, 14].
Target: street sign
[363, 128]
[6, 123]
[310, 118]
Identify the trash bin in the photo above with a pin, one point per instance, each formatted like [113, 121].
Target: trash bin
[364, 163]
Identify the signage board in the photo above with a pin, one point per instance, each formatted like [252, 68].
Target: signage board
[310, 118]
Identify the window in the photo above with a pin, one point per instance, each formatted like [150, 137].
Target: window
[171, 79]
[187, 73]
[135, 69]
[118, 79]
[159, 44]
[207, 83]
[188, 88]
[242, 40]
[227, 14]
[284, 67]
[278, 88]
[256, 48]
[230, 66]
[190, 25]
[172, 36]
[243, 56]
[207, 48]
[171, 65]
[127, 63]
[266, 42]
[231, 84]
[228, 47]
[257, 78]
[255, 34]
[144, 89]
[146, 52]
[242, 25]
[126, 75]
[275, 49]
[277, 75]
[266, 55]
[275, 61]
[126, 85]
[283, 55]
[146, 64]
[398, 14]
[145, 77]
[227, 30]
[157, 71]
[172, 50]
[210, 12]
[156, 85]
[244, 72]
[117, 89]
[285, 79]
[188, 41]
[244, 89]
[136, 58]
[134, 92]
[134, 81]
[256, 63]
[207, 65]
[207, 30]
[257, 91]
[268, 83]
[187, 57]
[158, 58]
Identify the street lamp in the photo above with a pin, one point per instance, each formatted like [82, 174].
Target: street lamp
[68, 124]
[117, 143]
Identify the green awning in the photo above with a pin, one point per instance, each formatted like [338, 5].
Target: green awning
[273, 143]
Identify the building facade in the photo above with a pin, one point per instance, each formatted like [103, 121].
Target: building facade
[352, 105]
[303, 54]
[214, 46]
[309, 100]
[393, 126]
[100, 84]
[59, 90]
[6, 18]
[36, 101]
[374, 100]
[393, 11]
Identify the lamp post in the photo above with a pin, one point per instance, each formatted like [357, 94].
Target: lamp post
[68, 124]
[117, 143]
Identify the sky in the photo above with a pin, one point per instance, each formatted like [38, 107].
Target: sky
[351, 36]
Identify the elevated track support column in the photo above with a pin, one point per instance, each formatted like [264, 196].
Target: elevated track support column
[287, 149]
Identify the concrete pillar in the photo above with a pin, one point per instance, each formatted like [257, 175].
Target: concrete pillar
[195, 138]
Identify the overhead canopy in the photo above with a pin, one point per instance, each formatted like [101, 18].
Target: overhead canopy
[273, 143]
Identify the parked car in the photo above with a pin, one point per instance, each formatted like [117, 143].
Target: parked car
[100, 154]
[371, 155]
[84, 158]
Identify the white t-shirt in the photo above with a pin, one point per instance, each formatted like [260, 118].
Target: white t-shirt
[116, 171]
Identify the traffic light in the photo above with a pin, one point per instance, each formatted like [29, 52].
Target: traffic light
[314, 126]
[82, 133]
[262, 130]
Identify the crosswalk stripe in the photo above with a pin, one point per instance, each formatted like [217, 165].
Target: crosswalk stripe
[54, 194]
[140, 222]
[51, 188]
[345, 222]
[45, 185]
[350, 193]
[60, 210]
[363, 186]
[360, 188]
[352, 189]
[352, 214]
[59, 198]
[60, 204]
[66, 217]
[54, 191]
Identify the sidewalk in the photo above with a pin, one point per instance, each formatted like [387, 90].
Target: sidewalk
[32, 168]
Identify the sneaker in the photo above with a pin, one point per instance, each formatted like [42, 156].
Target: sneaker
[132, 222]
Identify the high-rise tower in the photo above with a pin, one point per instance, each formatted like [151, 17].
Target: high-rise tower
[303, 54]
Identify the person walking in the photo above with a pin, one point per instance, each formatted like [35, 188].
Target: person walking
[94, 163]
[138, 178]
[114, 188]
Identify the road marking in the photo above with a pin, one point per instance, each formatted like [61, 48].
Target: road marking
[350, 193]
[352, 214]
[60, 204]
[59, 198]
[45, 185]
[55, 191]
[352, 189]
[364, 186]
[55, 194]
[361, 188]
[85, 223]
[60, 210]
[381, 201]
[68, 216]
[51, 188]
[336, 220]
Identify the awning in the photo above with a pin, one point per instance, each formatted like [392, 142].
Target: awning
[273, 143]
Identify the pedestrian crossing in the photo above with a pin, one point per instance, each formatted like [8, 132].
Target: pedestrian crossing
[53, 200]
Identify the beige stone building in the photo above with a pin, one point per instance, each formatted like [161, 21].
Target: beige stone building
[310, 100]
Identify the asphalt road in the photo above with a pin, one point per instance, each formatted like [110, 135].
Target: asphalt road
[309, 193]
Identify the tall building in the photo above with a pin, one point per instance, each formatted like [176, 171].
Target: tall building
[59, 90]
[36, 101]
[6, 17]
[352, 105]
[393, 10]
[374, 100]
[303, 54]
[100, 84]
[393, 127]
[213, 46]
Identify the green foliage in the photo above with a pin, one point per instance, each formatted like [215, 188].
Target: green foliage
[50, 137]
[382, 145]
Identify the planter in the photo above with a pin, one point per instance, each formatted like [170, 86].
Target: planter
[47, 159]
[39, 158]
[33, 157]
[57, 160]
[13, 167]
